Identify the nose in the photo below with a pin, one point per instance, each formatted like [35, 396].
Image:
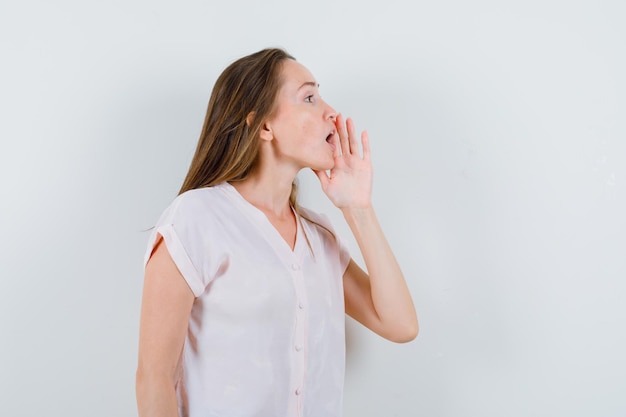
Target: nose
[331, 114]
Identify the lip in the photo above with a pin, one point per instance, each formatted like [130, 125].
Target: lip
[329, 139]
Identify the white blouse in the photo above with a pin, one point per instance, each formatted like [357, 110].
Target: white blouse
[266, 331]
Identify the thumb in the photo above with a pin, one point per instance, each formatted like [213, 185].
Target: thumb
[323, 177]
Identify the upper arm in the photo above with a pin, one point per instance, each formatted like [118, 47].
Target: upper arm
[165, 310]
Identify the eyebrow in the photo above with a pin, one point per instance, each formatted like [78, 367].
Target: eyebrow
[311, 83]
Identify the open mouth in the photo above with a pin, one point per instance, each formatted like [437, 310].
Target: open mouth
[329, 140]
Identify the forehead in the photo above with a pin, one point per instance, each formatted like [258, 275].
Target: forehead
[294, 74]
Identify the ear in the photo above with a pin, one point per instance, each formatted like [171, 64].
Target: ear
[266, 132]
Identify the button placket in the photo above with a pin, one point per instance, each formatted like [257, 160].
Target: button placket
[300, 332]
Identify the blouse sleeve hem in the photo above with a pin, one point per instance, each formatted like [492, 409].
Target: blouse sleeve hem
[180, 258]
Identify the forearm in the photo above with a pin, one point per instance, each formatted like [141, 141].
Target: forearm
[389, 292]
[156, 396]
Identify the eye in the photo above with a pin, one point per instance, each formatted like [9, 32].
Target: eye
[309, 98]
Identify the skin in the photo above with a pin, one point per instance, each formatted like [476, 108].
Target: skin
[294, 138]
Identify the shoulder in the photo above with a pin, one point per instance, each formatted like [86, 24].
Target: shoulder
[322, 221]
[195, 204]
[313, 216]
[199, 198]
[331, 242]
[200, 195]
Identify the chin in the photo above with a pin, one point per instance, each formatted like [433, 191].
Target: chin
[324, 166]
[322, 162]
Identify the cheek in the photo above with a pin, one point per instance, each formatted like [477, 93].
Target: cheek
[296, 127]
[296, 132]
[308, 127]
[305, 130]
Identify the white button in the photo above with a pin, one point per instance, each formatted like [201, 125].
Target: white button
[298, 348]
[295, 267]
[298, 391]
[300, 306]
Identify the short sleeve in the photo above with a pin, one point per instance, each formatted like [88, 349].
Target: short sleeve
[344, 254]
[187, 240]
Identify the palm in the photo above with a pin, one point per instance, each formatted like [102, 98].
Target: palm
[350, 180]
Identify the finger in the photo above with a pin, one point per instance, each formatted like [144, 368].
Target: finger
[343, 134]
[354, 145]
[365, 143]
[336, 141]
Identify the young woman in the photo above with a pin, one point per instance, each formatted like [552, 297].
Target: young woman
[245, 292]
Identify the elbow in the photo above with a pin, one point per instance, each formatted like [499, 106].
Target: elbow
[155, 393]
[409, 335]
[149, 380]
[405, 334]
[142, 382]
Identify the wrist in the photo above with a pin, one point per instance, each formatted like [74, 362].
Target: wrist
[358, 212]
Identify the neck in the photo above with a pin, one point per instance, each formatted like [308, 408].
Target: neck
[268, 186]
[267, 191]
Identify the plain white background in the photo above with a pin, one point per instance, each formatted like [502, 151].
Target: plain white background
[499, 143]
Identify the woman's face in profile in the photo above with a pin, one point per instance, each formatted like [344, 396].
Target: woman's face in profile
[302, 127]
